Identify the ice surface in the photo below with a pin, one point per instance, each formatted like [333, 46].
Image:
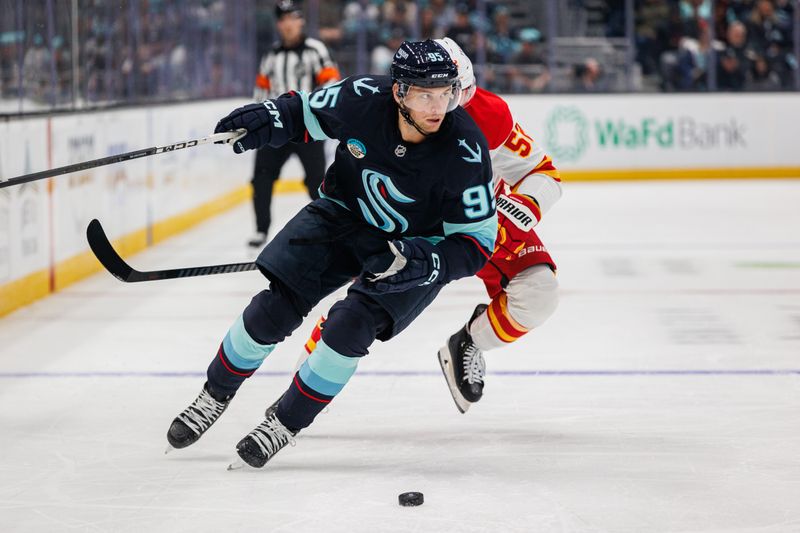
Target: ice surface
[663, 395]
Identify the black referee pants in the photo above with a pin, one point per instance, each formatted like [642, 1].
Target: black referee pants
[270, 161]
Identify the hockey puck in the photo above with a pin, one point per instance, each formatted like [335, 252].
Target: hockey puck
[411, 499]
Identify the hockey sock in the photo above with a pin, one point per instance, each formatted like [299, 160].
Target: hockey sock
[322, 376]
[496, 327]
[348, 332]
[238, 357]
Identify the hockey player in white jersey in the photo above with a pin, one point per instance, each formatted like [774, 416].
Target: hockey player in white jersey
[520, 276]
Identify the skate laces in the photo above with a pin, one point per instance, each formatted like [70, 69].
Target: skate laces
[270, 436]
[202, 413]
[474, 364]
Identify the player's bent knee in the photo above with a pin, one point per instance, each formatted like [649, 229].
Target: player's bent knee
[533, 296]
[351, 326]
[271, 316]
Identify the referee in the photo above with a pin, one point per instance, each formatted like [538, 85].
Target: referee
[295, 63]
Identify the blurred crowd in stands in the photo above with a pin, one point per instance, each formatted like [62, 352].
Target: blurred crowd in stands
[149, 50]
[752, 41]
[125, 51]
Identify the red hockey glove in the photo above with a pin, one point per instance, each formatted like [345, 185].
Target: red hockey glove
[517, 214]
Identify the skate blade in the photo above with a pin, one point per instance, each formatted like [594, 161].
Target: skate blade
[445, 361]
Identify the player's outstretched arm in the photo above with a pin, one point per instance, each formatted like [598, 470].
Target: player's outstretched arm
[272, 122]
[297, 116]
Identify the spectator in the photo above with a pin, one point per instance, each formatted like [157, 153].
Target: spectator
[357, 18]
[763, 78]
[769, 32]
[588, 77]
[330, 21]
[462, 31]
[381, 57]
[770, 38]
[733, 62]
[693, 60]
[720, 18]
[529, 73]
[399, 14]
[444, 15]
[428, 27]
[502, 43]
[36, 69]
[652, 34]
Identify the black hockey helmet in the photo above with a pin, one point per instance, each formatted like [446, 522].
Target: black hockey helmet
[425, 64]
[285, 7]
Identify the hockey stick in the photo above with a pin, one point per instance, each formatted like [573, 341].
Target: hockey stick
[227, 137]
[110, 259]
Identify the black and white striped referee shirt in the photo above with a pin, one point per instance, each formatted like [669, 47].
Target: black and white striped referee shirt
[301, 68]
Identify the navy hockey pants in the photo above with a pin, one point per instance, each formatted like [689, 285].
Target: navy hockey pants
[321, 249]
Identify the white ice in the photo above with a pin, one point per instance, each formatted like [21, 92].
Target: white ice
[663, 395]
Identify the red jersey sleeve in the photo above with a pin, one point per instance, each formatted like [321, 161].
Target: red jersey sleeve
[492, 115]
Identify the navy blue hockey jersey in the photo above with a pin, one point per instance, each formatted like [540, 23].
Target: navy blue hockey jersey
[440, 188]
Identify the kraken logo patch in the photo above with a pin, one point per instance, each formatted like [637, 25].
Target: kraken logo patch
[356, 148]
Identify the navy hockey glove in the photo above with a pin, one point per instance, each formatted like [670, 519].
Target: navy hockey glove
[409, 263]
[256, 119]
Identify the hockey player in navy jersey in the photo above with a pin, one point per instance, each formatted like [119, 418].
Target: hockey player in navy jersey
[406, 207]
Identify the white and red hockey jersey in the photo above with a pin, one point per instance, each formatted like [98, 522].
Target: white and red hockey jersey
[518, 163]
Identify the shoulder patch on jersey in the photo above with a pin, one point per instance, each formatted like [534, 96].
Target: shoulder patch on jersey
[491, 114]
[361, 83]
[356, 148]
[474, 156]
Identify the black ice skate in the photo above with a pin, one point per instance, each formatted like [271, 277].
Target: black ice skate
[273, 408]
[261, 444]
[463, 365]
[195, 420]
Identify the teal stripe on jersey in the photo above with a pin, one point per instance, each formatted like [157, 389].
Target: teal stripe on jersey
[332, 199]
[435, 239]
[240, 348]
[311, 122]
[326, 370]
[484, 231]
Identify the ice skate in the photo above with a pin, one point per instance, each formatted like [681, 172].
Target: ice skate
[258, 240]
[272, 408]
[261, 444]
[463, 366]
[195, 420]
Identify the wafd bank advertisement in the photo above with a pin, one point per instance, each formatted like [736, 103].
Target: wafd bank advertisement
[661, 132]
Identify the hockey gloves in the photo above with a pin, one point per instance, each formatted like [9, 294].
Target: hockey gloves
[256, 119]
[517, 214]
[409, 263]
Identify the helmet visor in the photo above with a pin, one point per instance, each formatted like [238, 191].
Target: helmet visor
[430, 99]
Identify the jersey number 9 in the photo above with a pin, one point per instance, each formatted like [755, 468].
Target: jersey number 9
[478, 201]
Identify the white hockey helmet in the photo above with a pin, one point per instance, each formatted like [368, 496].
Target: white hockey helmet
[465, 72]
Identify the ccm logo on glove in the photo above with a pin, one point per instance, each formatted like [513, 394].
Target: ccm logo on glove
[409, 263]
[257, 119]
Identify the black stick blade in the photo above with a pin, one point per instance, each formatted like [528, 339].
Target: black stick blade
[111, 260]
[106, 254]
